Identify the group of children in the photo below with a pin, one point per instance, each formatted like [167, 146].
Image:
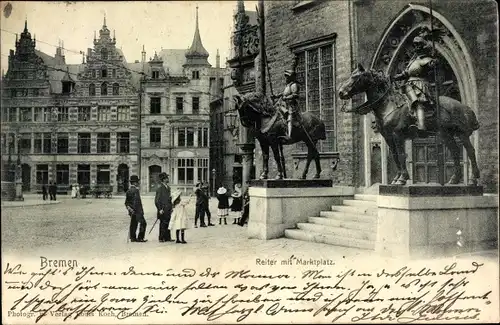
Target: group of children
[236, 205]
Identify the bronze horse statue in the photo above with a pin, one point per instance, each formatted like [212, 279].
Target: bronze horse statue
[392, 116]
[258, 112]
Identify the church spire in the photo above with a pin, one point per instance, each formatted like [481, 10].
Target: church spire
[197, 54]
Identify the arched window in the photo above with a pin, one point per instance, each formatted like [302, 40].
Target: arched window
[91, 90]
[116, 89]
[104, 54]
[104, 89]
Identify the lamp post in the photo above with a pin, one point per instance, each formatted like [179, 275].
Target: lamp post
[19, 172]
[213, 182]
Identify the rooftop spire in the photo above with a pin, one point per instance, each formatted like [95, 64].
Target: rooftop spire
[197, 54]
[104, 23]
[26, 25]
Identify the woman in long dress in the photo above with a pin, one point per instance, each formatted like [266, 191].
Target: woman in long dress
[73, 191]
[237, 203]
[179, 219]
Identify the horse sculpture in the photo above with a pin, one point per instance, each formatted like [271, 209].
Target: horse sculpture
[258, 112]
[392, 116]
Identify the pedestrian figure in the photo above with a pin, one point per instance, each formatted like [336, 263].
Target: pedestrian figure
[133, 204]
[163, 202]
[206, 204]
[246, 208]
[78, 190]
[73, 191]
[237, 203]
[54, 190]
[200, 210]
[44, 192]
[179, 220]
[223, 207]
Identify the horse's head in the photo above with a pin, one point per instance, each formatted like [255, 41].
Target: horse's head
[252, 107]
[359, 82]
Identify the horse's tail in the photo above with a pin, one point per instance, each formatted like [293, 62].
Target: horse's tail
[474, 123]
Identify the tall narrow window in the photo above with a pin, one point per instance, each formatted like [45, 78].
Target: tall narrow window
[103, 143]
[103, 174]
[114, 73]
[155, 74]
[196, 105]
[104, 89]
[103, 113]
[47, 142]
[42, 174]
[203, 169]
[26, 114]
[83, 174]
[315, 74]
[181, 137]
[123, 145]
[189, 137]
[12, 114]
[91, 90]
[62, 175]
[63, 114]
[38, 115]
[83, 114]
[196, 74]
[185, 171]
[38, 143]
[123, 113]
[83, 142]
[155, 105]
[62, 143]
[25, 143]
[179, 105]
[116, 89]
[104, 72]
[155, 137]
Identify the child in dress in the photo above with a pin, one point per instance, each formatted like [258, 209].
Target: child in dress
[223, 207]
[237, 203]
[179, 220]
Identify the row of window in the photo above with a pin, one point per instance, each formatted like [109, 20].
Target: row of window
[63, 175]
[61, 114]
[26, 92]
[104, 89]
[155, 105]
[183, 137]
[46, 143]
[185, 168]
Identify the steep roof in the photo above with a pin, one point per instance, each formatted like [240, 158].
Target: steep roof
[197, 54]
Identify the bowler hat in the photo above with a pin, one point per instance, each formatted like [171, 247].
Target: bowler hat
[134, 178]
[163, 176]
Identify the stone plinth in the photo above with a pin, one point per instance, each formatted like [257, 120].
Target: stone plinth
[276, 205]
[422, 221]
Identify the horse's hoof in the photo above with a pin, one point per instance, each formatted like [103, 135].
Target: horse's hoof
[263, 177]
[279, 177]
[303, 177]
[316, 176]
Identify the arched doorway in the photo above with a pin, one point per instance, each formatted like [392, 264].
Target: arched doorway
[122, 178]
[455, 79]
[154, 171]
[26, 175]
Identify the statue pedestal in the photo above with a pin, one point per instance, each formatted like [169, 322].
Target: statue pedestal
[419, 221]
[276, 205]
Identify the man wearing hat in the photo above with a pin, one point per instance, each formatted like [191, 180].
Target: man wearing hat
[417, 87]
[290, 98]
[163, 202]
[133, 204]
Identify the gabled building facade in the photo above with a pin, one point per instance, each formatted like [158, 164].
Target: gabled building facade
[175, 116]
[74, 123]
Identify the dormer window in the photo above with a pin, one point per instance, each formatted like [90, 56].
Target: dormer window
[104, 54]
[196, 75]
[156, 74]
[67, 87]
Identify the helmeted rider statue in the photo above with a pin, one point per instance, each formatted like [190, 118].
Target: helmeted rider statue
[417, 87]
[290, 97]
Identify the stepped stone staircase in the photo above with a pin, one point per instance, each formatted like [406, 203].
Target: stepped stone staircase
[353, 224]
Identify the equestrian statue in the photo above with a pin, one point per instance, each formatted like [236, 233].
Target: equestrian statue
[278, 121]
[412, 113]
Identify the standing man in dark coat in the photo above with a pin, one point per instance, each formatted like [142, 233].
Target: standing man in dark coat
[133, 204]
[163, 202]
[44, 192]
[206, 204]
[200, 208]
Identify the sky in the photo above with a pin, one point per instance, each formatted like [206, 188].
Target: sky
[156, 25]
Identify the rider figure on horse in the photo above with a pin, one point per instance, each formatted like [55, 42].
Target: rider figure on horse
[290, 97]
[417, 87]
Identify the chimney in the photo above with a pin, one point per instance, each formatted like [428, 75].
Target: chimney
[89, 53]
[217, 59]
